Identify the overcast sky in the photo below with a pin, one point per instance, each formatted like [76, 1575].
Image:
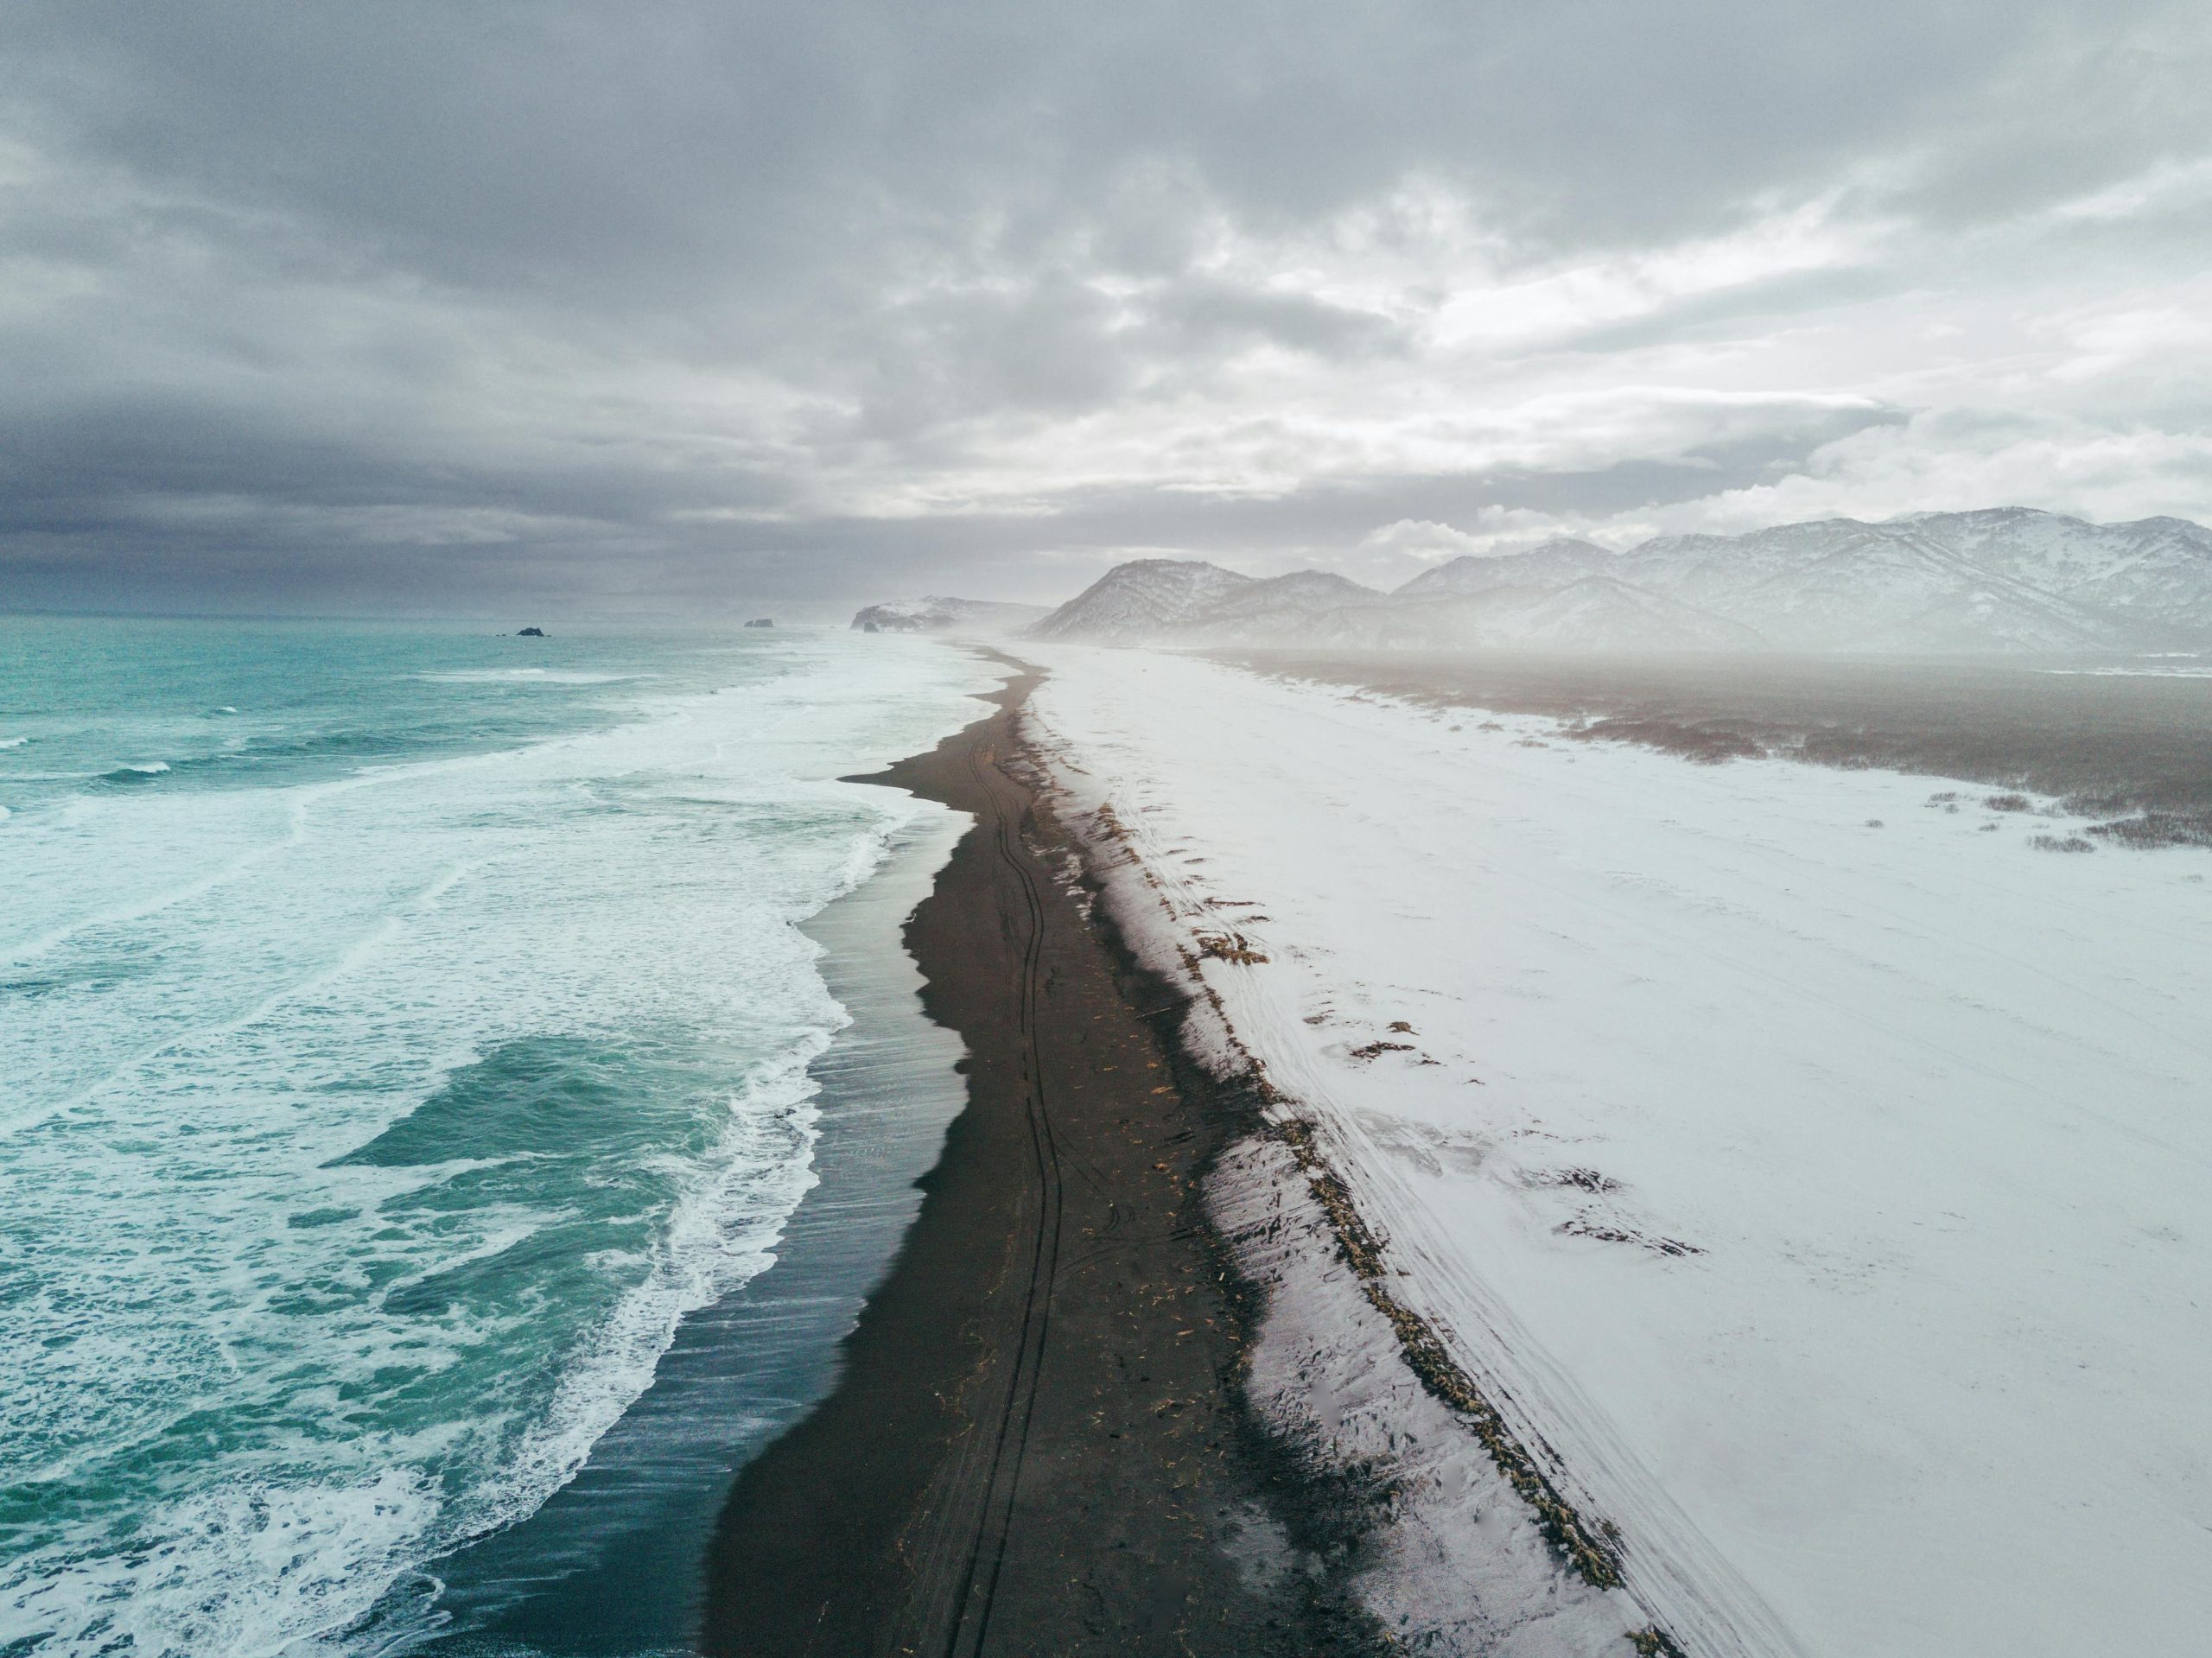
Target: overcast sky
[705, 306]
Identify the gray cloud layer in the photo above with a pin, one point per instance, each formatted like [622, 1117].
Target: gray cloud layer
[413, 306]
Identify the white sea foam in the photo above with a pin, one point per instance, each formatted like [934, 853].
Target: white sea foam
[242, 990]
[13, 742]
[2131, 673]
[721, 1233]
[247, 1567]
[528, 675]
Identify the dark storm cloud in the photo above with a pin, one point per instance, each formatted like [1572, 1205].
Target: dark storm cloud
[416, 304]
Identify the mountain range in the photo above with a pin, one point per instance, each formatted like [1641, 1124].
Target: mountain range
[2007, 579]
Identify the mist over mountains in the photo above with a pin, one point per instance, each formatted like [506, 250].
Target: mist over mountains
[2007, 578]
[938, 613]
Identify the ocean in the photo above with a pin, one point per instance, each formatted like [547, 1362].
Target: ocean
[415, 1041]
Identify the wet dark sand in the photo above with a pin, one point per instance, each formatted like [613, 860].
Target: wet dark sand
[1037, 1445]
[2109, 743]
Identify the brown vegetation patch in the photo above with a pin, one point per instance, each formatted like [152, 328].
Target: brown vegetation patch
[1845, 750]
[2062, 844]
[1709, 742]
[2149, 829]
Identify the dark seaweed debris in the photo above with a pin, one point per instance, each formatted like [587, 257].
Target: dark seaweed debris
[1593, 1553]
[1583, 1227]
[1377, 1049]
[1223, 947]
[1581, 1179]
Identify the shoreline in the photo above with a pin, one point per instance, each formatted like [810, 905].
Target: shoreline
[1038, 1441]
[607, 1567]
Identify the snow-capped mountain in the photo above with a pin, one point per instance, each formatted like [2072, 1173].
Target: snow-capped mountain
[1143, 599]
[2010, 579]
[935, 614]
[1551, 564]
[1595, 612]
[1934, 583]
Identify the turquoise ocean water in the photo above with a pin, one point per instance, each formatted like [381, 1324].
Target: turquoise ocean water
[403, 1032]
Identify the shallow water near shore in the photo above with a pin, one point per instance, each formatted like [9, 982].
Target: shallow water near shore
[406, 1028]
[610, 1566]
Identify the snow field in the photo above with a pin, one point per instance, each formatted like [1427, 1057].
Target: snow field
[1817, 1198]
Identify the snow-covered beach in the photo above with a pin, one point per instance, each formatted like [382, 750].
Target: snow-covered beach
[1806, 1164]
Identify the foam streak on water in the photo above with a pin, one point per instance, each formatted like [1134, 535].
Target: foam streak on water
[401, 1033]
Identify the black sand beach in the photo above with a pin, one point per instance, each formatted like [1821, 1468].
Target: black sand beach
[1037, 1444]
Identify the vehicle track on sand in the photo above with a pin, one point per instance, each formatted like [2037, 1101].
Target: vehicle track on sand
[1036, 1443]
[965, 1614]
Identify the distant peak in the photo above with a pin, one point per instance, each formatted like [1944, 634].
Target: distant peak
[1140, 597]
